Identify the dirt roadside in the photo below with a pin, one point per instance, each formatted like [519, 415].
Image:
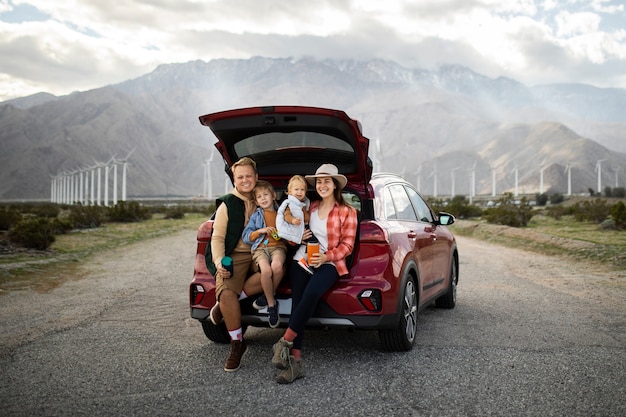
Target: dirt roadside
[581, 278]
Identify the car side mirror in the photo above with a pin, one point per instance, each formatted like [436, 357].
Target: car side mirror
[445, 219]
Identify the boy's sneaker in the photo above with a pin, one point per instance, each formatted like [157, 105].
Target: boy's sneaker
[304, 265]
[292, 372]
[281, 349]
[260, 303]
[274, 317]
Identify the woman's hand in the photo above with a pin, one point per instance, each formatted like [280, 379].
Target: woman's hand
[318, 259]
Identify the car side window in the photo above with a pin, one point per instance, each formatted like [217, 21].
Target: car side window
[401, 201]
[423, 211]
[353, 199]
[390, 209]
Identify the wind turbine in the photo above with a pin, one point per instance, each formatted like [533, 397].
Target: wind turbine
[114, 181]
[599, 171]
[493, 181]
[616, 170]
[516, 172]
[205, 191]
[419, 178]
[124, 162]
[92, 189]
[453, 181]
[568, 171]
[434, 175]
[106, 184]
[472, 192]
[53, 181]
[541, 169]
[84, 183]
[99, 166]
[378, 161]
[72, 193]
[208, 178]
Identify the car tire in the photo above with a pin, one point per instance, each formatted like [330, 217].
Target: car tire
[448, 300]
[217, 334]
[402, 338]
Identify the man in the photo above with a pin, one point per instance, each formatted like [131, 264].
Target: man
[231, 217]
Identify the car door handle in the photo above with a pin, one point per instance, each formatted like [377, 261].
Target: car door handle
[412, 234]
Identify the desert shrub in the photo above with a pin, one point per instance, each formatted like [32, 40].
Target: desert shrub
[33, 232]
[62, 226]
[541, 199]
[507, 212]
[595, 211]
[175, 212]
[608, 224]
[458, 206]
[618, 214]
[129, 212]
[86, 217]
[558, 211]
[46, 210]
[9, 216]
[556, 198]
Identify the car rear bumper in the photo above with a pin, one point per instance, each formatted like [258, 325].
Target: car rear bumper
[323, 316]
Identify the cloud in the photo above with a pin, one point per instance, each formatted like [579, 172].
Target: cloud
[72, 45]
[577, 23]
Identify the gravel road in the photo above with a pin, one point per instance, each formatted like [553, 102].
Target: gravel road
[531, 336]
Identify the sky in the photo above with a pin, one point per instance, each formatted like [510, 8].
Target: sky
[62, 46]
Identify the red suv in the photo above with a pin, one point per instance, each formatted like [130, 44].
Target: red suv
[404, 258]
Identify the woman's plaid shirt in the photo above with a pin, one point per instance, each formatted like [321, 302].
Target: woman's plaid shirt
[341, 226]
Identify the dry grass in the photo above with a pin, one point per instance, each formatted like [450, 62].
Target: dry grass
[563, 237]
[42, 270]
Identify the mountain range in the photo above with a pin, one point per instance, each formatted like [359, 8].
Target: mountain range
[437, 127]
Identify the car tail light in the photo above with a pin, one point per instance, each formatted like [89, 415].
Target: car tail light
[372, 232]
[197, 294]
[371, 299]
[205, 230]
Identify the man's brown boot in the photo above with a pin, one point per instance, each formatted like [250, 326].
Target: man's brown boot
[237, 350]
[215, 315]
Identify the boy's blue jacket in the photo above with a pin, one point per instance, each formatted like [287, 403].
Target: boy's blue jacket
[256, 222]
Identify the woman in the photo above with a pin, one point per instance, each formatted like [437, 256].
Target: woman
[231, 217]
[334, 224]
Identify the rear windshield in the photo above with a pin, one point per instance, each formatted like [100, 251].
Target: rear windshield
[292, 140]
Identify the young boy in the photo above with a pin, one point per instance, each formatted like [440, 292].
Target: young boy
[268, 251]
[293, 216]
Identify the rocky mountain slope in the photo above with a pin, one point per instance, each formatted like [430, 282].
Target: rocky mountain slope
[425, 124]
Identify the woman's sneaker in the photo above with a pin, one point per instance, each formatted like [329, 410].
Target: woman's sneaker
[281, 349]
[274, 316]
[292, 372]
[260, 303]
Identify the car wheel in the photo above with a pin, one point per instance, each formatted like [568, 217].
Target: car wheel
[448, 300]
[217, 334]
[402, 338]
